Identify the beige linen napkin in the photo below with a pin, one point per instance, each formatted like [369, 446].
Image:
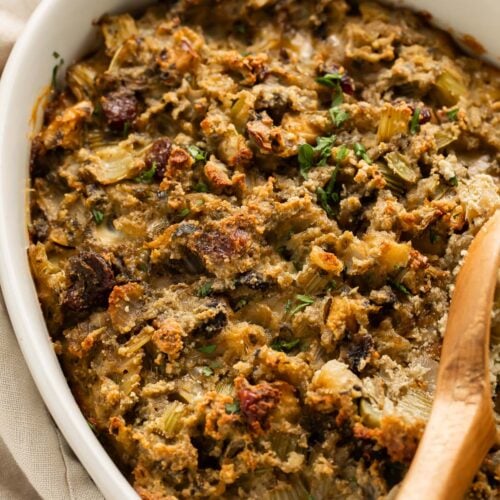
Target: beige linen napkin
[35, 460]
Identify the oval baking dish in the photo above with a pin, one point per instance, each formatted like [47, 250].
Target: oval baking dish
[66, 28]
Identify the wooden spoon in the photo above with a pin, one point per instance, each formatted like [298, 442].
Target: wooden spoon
[461, 427]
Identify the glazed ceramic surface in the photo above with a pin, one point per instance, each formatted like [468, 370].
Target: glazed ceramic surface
[66, 27]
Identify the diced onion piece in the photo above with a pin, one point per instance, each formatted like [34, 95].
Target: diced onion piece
[416, 404]
[113, 164]
[240, 112]
[336, 378]
[190, 390]
[80, 79]
[116, 30]
[445, 136]
[369, 414]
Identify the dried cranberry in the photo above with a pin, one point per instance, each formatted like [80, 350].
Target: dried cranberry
[120, 108]
[347, 84]
[158, 155]
[257, 402]
[91, 281]
[425, 116]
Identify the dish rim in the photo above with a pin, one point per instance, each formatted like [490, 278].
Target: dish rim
[19, 294]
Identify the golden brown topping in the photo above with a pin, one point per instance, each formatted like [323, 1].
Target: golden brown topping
[124, 305]
[168, 338]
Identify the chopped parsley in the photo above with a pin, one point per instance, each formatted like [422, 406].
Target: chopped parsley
[184, 212]
[328, 196]
[452, 114]
[55, 69]
[324, 148]
[331, 80]
[306, 159]
[309, 156]
[285, 345]
[92, 426]
[360, 152]
[303, 302]
[201, 187]
[341, 153]
[400, 287]
[98, 216]
[415, 122]
[208, 349]
[205, 290]
[332, 285]
[126, 129]
[207, 371]
[453, 181]
[197, 153]
[433, 237]
[240, 304]
[232, 408]
[148, 175]
[338, 116]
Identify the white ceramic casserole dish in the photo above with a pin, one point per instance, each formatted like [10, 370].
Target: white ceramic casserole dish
[66, 27]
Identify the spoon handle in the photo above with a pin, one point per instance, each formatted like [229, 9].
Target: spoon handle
[461, 427]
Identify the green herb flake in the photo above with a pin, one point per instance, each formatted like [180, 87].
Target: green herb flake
[331, 80]
[197, 153]
[338, 116]
[303, 302]
[56, 68]
[433, 237]
[415, 122]
[306, 159]
[323, 202]
[126, 129]
[288, 306]
[98, 216]
[205, 290]
[400, 287]
[453, 181]
[148, 175]
[201, 187]
[360, 152]
[208, 349]
[284, 345]
[338, 98]
[341, 153]
[232, 408]
[328, 196]
[332, 285]
[452, 114]
[206, 370]
[184, 213]
[240, 304]
[92, 426]
[324, 148]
